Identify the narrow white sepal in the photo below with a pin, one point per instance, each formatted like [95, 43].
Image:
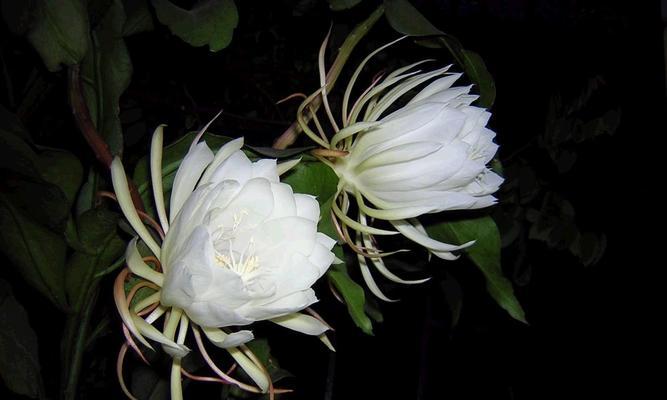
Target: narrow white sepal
[156, 176]
[229, 340]
[323, 337]
[412, 233]
[302, 323]
[287, 165]
[119, 180]
[256, 373]
[151, 332]
[138, 267]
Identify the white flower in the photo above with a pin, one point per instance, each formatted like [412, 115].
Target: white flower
[428, 155]
[240, 247]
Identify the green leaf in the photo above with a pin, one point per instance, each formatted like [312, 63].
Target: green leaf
[106, 71]
[485, 254]
[59, 32]
[472, 63]
[338, 5]
[279, 153]
[62, 169]
[209, 22]
[315, 178]
[407, 20]
[262, 350]
[101, 245]
[352, 293]
[475, 68]
[139, 18]
[38, 253]
[32, 181]
[19, 359]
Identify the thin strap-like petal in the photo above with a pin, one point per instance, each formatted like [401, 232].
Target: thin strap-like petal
[156, 176]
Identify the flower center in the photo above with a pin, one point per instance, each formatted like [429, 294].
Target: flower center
[245, 262]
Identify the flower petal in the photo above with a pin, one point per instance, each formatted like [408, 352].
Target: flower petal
[302, 323]
[198, 158]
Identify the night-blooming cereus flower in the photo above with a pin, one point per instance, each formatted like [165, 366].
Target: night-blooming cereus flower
[239, 247]
[405, 156]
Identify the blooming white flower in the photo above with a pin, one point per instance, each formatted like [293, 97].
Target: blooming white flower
[402, 156]
[240, 247]
[426, 157]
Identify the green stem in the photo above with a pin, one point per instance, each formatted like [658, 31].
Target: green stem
[76, 331]
[289, 136]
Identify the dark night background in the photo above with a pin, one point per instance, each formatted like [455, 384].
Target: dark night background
[583, 320]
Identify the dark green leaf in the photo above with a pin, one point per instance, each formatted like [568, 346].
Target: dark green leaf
[352, 293]
[315, 178]
[209, 22]
[262, 350]
[473, 66]
[62, 169]
[338, 5]
[407, 20]
[101, 247]
[18, 15]
[106, 72]
[26, 176]
[139, 18]
[475, 69]
[275, 153]
[38, 253]
[19, 359]
[485, 254]
[59, 31]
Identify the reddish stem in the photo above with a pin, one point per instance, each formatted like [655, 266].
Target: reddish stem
[85, 123]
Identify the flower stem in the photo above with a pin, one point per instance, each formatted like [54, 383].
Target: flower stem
[76, 336]
[289, 136]
[93, 138]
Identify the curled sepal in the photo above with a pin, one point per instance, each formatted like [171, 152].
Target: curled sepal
[123, 307]
[228, 340]
[302, 323]
[256, 372]
[411, 232]
[138, 267]
[175, 349]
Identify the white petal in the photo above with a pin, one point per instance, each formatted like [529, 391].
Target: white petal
[307, 207]
[436, 86]
[265, 168]
[223, 153]
[236, 167]
[302, 323]
[187, 176]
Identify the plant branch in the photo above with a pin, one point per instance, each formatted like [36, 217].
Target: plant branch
[93, 138]
[289, 136]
